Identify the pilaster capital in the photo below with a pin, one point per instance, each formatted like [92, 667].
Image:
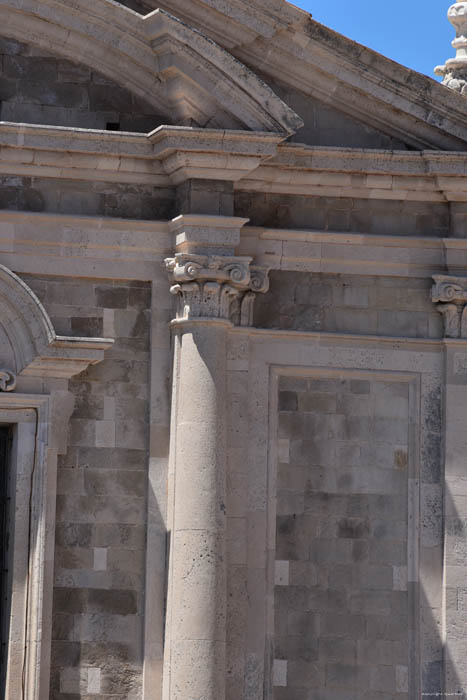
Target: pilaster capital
[450, 296]
[216, 287]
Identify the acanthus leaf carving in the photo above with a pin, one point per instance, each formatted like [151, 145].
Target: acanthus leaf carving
[450, 296]
[214, 286]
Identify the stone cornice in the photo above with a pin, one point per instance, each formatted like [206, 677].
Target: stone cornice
[362, 83]
[187, 153]
[362, 173]
[163, 158]
[236, 22]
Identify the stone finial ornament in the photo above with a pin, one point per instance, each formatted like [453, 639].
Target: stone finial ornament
[454, 71]
[211, 286]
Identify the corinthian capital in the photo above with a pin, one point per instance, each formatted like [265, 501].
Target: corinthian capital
[450, 296]
[215, 286]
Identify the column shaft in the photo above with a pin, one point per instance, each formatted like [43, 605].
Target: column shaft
[197, 589]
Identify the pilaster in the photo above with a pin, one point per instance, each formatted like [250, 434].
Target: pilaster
[449, 293]
[215, 290]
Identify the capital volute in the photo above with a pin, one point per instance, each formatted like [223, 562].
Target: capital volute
[216, 287]
[450, 296]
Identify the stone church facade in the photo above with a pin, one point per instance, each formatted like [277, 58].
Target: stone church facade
[233, 357]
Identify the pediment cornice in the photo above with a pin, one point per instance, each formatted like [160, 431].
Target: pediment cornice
[365, 85]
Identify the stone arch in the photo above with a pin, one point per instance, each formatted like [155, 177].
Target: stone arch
[28, 338]
[157, 57]
[24, 320]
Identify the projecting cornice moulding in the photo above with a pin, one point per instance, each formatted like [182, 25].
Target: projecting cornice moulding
[165, 157]
[255, 161]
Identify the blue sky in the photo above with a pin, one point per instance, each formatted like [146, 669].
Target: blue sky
[414, 33]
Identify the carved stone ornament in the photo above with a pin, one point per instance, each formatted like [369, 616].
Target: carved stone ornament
[7, 380]
[454, 71]
[450, 296]
[211, 286]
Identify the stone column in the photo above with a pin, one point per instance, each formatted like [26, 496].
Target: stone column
[213, 293]
[450, 295]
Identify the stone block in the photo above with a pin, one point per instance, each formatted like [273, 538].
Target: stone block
[288, 401]
[353, 528]
[317, 402]
[112, 297]
[304, 674]
[342, 626]
[382, 679]
[347, 676]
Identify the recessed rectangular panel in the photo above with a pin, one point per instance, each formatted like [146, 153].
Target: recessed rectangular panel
[341, 613]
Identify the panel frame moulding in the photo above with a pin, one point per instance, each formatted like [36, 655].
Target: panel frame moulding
[255, 362]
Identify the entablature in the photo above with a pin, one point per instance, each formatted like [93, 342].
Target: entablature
[254, 161]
